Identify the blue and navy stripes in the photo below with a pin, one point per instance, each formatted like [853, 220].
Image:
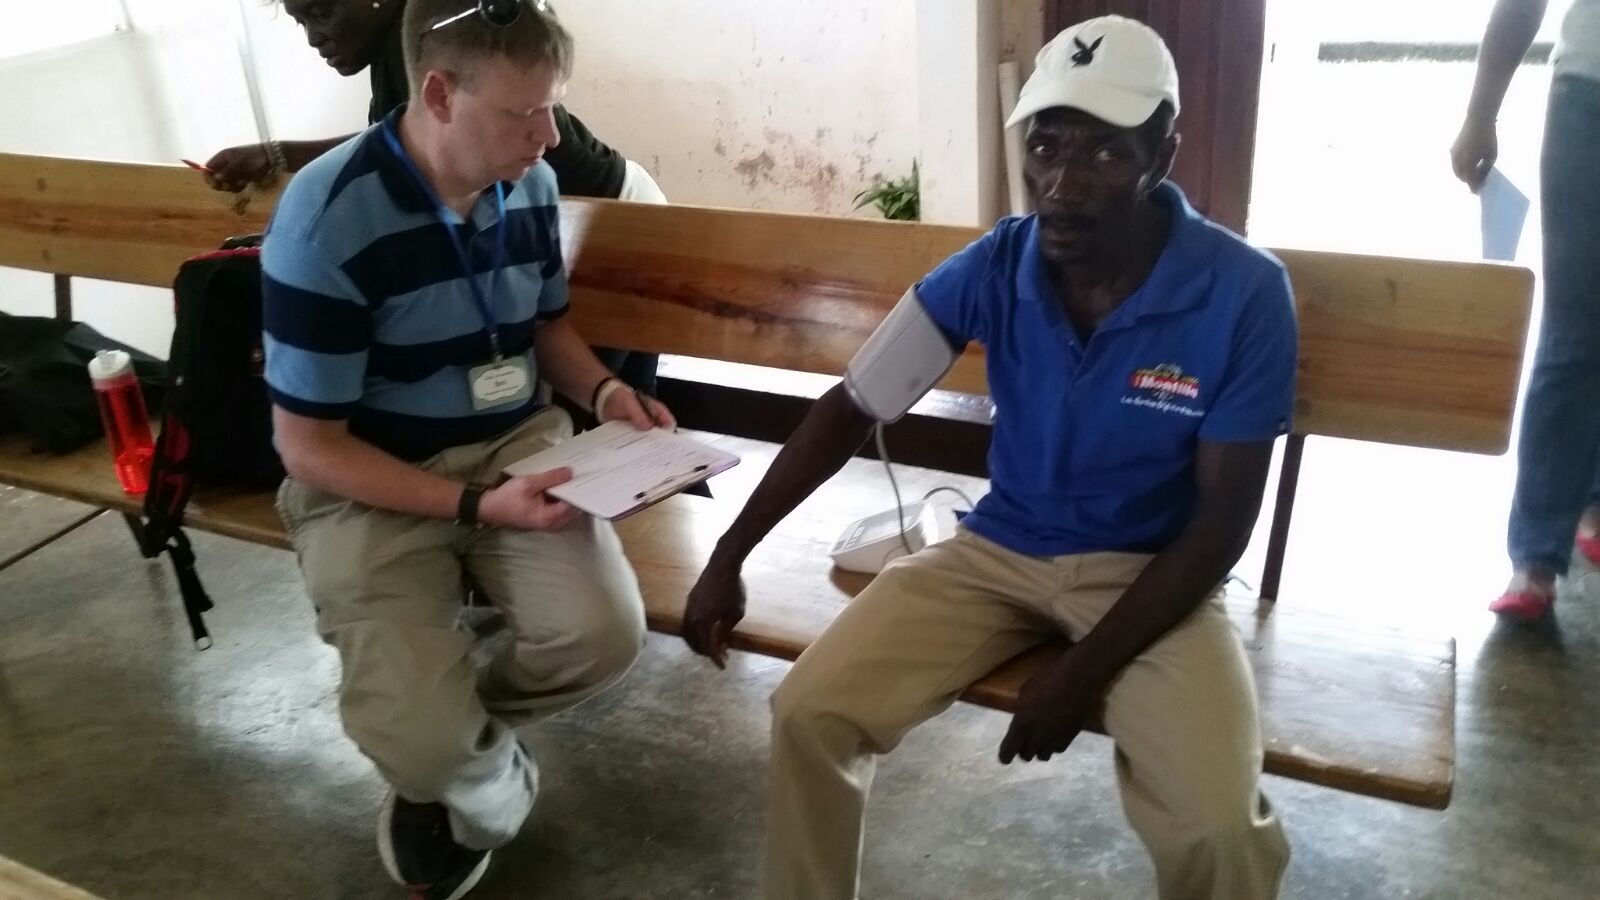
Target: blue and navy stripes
[368, 315]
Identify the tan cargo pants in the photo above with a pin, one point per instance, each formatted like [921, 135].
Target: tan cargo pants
[388, 592]
[1183, 716]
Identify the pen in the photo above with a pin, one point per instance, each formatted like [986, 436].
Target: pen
[644, 403]
[194, 165]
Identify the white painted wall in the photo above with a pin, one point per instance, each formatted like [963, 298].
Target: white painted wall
[959, 128]
[194, 51]
[96, 98]
[31, 27]
[303, 98]
[795, 106]
[173, 87]
[745, 103]
[791, 106]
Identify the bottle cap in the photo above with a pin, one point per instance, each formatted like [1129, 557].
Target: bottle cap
[110, 365]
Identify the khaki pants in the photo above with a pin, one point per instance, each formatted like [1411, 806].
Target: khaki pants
[1183, 715]
[388, 592]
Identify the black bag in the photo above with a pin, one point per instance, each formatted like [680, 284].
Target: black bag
[44, 381]
[216, 424]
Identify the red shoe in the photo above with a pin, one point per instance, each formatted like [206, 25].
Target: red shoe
[1523, 606]
[1590, 548]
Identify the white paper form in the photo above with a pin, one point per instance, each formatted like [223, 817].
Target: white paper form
[1504, 212]
[618, 470]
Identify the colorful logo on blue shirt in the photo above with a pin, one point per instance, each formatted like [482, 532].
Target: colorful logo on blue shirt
[1167, 379]
[1164, 388]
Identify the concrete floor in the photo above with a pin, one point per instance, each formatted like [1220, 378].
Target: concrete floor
[137, 768]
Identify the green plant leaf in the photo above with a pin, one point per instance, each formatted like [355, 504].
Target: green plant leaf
[896, 199]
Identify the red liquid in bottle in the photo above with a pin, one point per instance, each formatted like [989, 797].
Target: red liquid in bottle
[122, 412]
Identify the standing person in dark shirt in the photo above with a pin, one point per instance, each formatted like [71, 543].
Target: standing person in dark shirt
[357, 35]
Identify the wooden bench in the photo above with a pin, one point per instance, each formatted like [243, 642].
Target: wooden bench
[1411, 352]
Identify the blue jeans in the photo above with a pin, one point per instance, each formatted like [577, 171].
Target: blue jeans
[1558, 451]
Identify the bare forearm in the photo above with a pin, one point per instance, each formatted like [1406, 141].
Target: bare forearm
[567, 362]
[833, 430]
[356, 470]
[1230, 480]
[1169, 589]
[1512, 27]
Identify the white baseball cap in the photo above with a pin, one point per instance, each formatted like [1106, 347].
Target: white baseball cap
[1112, 68]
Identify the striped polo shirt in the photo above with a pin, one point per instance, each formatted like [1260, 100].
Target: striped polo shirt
[368, 313]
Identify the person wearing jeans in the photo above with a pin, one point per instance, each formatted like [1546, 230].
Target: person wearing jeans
[1558, 450]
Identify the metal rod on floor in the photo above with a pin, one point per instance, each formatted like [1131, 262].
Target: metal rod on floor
[40, 544]
[1282, 512]
[252, 83]
[64, 298]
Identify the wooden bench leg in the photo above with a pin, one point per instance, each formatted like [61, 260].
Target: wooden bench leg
[45, 541]
[64, 298]
[1282, 511]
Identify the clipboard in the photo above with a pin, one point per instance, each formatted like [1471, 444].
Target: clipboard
[618, 470]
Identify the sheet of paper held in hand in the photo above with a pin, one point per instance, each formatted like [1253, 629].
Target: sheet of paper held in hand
[618, 470]
[1504, 211]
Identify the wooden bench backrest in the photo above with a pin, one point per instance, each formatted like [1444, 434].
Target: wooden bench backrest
[1416, 352]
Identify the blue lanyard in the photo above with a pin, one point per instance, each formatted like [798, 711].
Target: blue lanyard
[490, 326]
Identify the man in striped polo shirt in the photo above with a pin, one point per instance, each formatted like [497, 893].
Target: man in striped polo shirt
[414, 295]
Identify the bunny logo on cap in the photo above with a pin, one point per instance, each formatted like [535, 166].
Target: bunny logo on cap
[1085, 54]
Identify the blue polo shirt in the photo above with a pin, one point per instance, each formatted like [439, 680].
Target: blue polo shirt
[367, 311]
[1094, 442]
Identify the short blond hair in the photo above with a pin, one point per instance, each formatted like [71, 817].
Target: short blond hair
[535, 38]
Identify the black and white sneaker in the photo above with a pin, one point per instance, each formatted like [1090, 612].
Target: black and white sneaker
[420, 854]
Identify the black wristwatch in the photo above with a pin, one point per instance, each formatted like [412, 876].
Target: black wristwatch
[467, 507]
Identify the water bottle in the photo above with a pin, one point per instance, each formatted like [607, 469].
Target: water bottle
[126, 423]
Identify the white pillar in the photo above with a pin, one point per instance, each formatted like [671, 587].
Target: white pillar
[958, 105]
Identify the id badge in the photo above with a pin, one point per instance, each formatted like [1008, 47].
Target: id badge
[500, 384]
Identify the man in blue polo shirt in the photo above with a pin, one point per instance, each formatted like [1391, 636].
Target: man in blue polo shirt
[1141, 361]
[414, 301]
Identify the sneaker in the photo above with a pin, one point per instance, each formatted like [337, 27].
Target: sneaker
[420, 854]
